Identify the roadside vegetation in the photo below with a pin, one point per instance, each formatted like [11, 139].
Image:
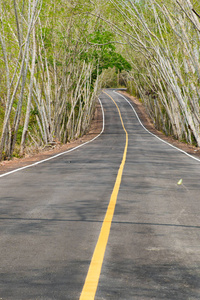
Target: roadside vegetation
[52, 55]
[55, 56]
[163, 42]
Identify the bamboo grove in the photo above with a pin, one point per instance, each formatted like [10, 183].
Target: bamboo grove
[46, 90]
[50, 67]
[56, 55]
[163, 41]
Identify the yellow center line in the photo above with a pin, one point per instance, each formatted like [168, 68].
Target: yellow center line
[92, 279]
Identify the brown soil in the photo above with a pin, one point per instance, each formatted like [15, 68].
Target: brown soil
[95, 129]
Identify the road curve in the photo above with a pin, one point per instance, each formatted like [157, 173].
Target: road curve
[51, 216]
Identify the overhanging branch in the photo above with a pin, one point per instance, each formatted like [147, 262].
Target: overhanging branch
[196, 13]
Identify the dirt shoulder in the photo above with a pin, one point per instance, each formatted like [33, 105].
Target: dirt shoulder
[95, 129]
[195, 151]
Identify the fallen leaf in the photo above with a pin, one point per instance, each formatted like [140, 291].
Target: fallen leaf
[180, 181]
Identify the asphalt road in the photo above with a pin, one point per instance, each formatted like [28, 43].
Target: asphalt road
[51, 215]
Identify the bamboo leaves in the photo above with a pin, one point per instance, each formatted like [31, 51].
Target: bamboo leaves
[165, 41]
[49, 90]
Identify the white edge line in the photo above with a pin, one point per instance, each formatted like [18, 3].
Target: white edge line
[180, 150]
[62, 153]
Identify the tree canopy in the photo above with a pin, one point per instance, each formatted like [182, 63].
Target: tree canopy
[55, 55]
[52, 54]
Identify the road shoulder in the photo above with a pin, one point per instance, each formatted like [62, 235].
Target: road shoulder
[140, 109]
[95, 129]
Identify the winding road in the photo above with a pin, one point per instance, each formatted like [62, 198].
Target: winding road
[104, 221]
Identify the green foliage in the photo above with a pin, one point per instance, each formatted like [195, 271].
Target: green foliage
[102, 53]
[19, 134]
[74, 46]
[165, 56]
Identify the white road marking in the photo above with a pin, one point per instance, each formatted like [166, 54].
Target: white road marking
[180, 150]
[62, 153]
